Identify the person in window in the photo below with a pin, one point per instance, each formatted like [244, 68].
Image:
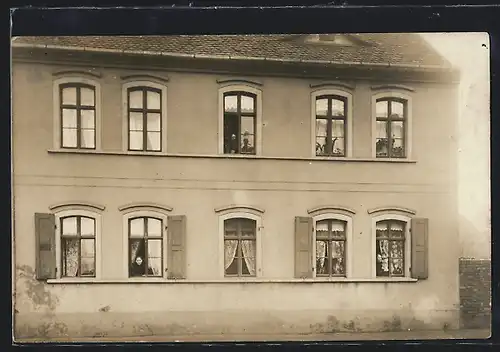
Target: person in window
[137, 268]
[246, 148]
[233, 144]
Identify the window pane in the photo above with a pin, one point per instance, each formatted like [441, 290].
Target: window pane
[154, 122]
[136, 121]
[137, 261]
[382, 109]
[153, 141]
[230, 225]
[247, 123]
[70, 257]
[137, 227]
[382, 147]
[337, 249]
[322, 257]
[231, 133]
[382, 229]
[397, 129]
[338, 252]
[381, 129]
[154, 267]
[135, 99]
[87, 250]
[247, 144]
[398, 148]
[88, 266]
[321, 126]
[69, 118]
[87, 138]
[153, 100]
[321, 107]
[338, 229]
[397, 249]
[87, 119]
[338, 146]
[320, 145]
[69, 96]
[154, 227]
[230, 103]
[337, 107]
[397, 230]
[69, 226]
[337, 128]
[397, 267]
[382, 257]
[136, 140]
[397, 109]
[322, 228]
[69, 137]
[248, 252]
[230, 247]
[247, 104]
[87, 97]
[154, 248]
[87, 227]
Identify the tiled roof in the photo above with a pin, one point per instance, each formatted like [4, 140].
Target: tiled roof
[405, 49]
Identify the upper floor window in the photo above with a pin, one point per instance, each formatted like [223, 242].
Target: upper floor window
[331, 247]
[78, 115]
[146, 246]
[331, 114]
[390, 248]
[78, 246]
[240, 118]
[240, 247]
[144, 119]
[391, 125]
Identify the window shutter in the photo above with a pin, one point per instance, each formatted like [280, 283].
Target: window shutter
[45, 234]
[419, 248]
[176, 253]
[303, 247]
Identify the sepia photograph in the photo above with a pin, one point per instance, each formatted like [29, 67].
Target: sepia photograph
[258, 187]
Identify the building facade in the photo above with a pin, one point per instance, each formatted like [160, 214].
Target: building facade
[225, 184]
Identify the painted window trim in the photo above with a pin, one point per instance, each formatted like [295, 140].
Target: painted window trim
[65, 212]
[340, 91]
[407, 259]
[126, 216]
[349, 245]
[258, 123]
[399, 94]
[258, 238]
[77, 79]
[149, 84]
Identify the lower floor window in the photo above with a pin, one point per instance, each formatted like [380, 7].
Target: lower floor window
[77, 246]
[390, 243]
[145, 246]
[239, 247]
[330, 248]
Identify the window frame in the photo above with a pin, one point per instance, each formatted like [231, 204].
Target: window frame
[144, 85]
[347, 97]
[258, 245]
[61, 214]
[77, 81]
[248, 91]
[407, 247]
[348, 244]
[141, 213]
[241, 238]
[406, 99]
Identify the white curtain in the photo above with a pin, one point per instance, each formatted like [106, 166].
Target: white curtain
[384, 254]
[320, 253]
[248, 248]
[229, 252]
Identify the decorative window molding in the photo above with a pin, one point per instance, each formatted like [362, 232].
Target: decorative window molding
[152, 207]
[386, 87]
[80, 79]
[337, 94]
[401, 210]
[154, 86]
[245, 90]
[407, 241]
[77, 205]
[258, 246]
[145, 77]
[240, 208]
[239, 81]
[147, 213]
[332, 85]
[75, 212]
[332, 209]
[406, 99]
[89, 73]
[348, 249]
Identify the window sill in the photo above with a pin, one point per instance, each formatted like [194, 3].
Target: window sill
[232, 156]
[227, 281]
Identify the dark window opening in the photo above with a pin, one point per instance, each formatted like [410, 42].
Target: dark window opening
[331, 125]
[144, 119]
[391, 116]
[240, 247]
[240, 113]
[145, 247]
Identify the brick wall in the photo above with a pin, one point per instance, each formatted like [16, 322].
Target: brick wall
[475, 293]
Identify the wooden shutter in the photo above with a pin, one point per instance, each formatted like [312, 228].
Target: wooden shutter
[176, 253]
[303, 247]
[419, 248]
[45, 226]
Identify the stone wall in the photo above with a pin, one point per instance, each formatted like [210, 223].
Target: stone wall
[475, 293]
